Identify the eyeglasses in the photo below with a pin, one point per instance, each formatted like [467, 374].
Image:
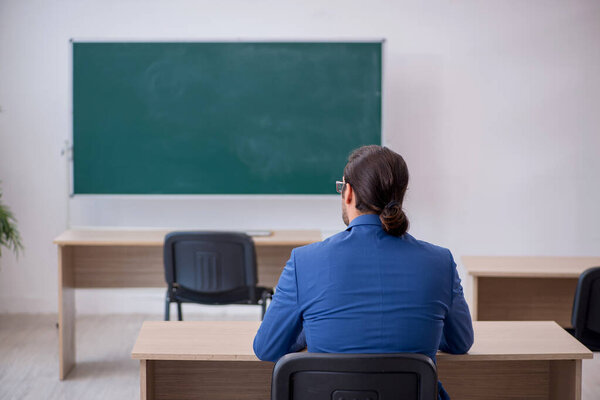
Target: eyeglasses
[339, 186]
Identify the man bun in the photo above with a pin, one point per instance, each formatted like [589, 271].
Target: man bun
[393, 219]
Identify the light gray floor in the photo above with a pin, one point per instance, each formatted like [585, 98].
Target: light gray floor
[105, 370]
[29, 358]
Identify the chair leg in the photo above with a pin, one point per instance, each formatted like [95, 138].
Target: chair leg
[179, 313]
[263, 304]
[263, 310]
[167, 309]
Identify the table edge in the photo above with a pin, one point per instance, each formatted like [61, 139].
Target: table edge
[442, 357]
[529, 274]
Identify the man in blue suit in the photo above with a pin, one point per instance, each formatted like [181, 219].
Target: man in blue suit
[372, 288]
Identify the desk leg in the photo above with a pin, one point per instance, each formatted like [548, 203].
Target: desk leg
[565, 380]
[146, 380]
[475, 298]
[66, 311]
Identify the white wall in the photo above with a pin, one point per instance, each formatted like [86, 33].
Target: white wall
[493, 104]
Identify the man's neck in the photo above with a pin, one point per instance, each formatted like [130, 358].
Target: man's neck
[355, 213]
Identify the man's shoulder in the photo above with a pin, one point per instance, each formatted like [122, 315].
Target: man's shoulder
[429, 247]
[334, 242]
[323, 245]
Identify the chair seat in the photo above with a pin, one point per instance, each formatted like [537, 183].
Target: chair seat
[236, 296]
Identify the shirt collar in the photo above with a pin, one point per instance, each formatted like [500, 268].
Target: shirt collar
[366, 219]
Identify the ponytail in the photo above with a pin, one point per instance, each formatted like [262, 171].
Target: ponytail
[393, 219]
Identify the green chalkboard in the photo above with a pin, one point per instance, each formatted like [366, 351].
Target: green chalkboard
[221, 117]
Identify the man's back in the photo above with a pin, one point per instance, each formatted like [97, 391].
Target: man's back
[365, 291]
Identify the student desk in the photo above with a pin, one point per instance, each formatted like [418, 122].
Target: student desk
[215, 360]
[525, 288]
[134, 258]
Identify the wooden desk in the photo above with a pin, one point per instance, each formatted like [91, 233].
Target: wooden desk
[134, 258]
[214, 360]
[525, 288]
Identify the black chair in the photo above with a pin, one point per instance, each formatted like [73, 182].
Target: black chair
[586, 309]
[319, 376]
[211, 268]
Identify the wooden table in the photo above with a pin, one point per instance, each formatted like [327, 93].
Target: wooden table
[214, 360]
[105, 258]
[525, 288]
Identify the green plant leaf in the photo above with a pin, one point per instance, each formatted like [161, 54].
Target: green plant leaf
[9, 234]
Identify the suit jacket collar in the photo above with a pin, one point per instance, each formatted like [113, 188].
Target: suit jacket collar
[366, 219]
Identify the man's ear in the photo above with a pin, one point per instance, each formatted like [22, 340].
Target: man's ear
[348, 194]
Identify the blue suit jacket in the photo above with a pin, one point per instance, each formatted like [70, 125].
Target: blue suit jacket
[365, 291]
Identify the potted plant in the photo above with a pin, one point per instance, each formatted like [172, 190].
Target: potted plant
[9, 234]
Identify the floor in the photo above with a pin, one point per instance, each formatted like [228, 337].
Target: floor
[104, 370]
[29, 358]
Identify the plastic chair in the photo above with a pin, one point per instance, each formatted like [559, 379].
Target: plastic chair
[320, 376]
[211, 268]
[586, 309]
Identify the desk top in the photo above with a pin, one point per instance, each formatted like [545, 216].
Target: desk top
[156, 237]
[529, 267]
[232, 341]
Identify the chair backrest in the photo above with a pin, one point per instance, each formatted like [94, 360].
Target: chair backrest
[320, 376]
[586, 309]
[210, 262]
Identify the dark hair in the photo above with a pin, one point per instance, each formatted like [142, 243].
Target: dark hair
[379, 178]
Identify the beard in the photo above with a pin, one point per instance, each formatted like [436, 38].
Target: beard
[344, 213]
